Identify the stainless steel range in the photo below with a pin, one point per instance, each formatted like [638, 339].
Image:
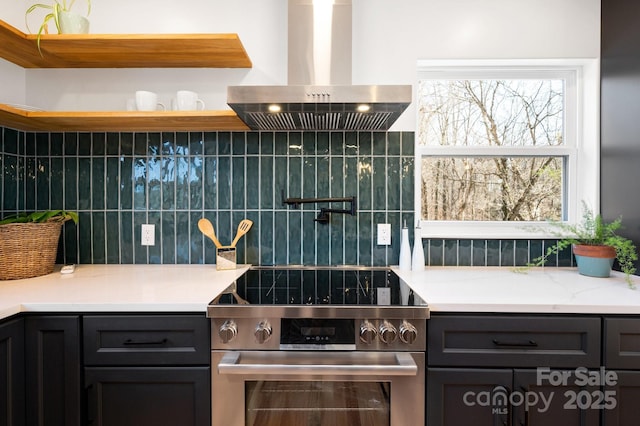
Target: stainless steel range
[318, 346]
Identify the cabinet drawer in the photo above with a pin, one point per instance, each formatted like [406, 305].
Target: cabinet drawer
[146, 340]
[513, 341]
[622, 343]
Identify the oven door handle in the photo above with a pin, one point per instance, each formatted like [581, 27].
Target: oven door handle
[319, 363]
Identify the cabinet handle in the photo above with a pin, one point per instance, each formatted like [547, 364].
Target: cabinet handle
[130, 342]
[529, 344]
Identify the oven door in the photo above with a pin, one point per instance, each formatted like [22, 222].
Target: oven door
[252, 388]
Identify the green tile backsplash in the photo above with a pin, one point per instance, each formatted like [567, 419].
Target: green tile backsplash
[119, 181]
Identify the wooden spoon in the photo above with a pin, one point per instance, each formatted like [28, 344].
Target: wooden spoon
[206, 227]
[243, 228]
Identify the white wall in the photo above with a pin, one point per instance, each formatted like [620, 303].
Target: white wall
[388, 39]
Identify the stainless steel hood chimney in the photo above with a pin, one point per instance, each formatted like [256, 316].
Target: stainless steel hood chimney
[319, 94]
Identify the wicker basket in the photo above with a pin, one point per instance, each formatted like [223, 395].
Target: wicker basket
[28, 249]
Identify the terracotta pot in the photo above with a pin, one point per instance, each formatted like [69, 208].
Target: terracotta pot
[594, 261]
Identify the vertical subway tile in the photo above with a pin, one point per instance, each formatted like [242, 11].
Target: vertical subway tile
[126, 144]
[210, 143]
[407, 183]
[113, 143]
[84, 237]
[140, 252]
[182, 236]
[140, 183]
[56, 186]
[168, 178]
[98, 147]
[565, 257]
[295, 176]
[521, 252]
[71, 183]
[281, 143]
[168, 143]
[380, 253]
[196, 248]
[308, 179]
[365, 238]
[126, 183]
[309, 143]
[30, 183]
[239, 143]
[126, 237]
[323, 165]
[464, 253]
[295, 143]
[351, 240]
[379, 201]
[267, 232]
[479, 252]
[84, 183]
[253, 143]
[450, 252]
[493, 253]
[210, 183]
[535, 250]
[140, 144]
[336, 140]
[507, 253]
[43, 170]
[266, 183]
[98, 183]
[322, 143]
[336, 229]
[154, 183]
[10, 141]
[393, 143]
[224, 227]
[195, 182]
[351, 144]
[56, 144]
[84, 144]
[224, 143]
[252, 240]
[281, 180]
[168, 237]
[551, 260]
[112, 237]
[196, 143]
[112, 183]
[182, 183]
[337, 177]
[379, 143]
[97, 238]
[436, 252]
[350, 177]
[182, 143]
[209, 247]
[393, 183]
[252, 183]
[224, 182]
[238, 184]
[322, 243]
[365, 179]
[309, 242]
[154, 252]
[295, 237]
[30, 146]
[42, 144]
[10, 183]
[408, 143]
[70, 143]
[70, 243]
[365, 143]
[266, 143]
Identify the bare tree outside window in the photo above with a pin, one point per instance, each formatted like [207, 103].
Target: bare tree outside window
[493, 128]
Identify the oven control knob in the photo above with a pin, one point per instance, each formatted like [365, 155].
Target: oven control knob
[367, 332]
[388, 332]
[408, 332]
[263, 331]
[228, 331]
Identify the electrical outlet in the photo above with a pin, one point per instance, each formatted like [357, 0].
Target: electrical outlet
[384, 234]
[148, 237]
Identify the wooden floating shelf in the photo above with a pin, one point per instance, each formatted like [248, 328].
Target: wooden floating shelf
[117, 121]
[122, 50]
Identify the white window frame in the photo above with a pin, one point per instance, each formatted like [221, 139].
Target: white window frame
[582, 133]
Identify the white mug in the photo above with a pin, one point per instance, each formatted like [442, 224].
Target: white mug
[147, 101]
[187, 100]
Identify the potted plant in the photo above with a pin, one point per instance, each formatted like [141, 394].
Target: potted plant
[66, 22]
[29, 243]
[595, 245]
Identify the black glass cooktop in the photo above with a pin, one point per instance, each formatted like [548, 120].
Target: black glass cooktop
[317, 286]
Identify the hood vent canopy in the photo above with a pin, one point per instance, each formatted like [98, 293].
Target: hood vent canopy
[319, 95]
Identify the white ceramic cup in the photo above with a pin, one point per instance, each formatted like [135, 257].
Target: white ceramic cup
[147, 101]
[187, 100]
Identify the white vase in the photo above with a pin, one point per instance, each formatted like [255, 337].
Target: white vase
[405, 250]
[417, 257]
[72, 23]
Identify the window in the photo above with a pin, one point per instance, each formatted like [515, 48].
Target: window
[501, 146]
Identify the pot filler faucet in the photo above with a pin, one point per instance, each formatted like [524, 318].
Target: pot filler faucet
[323, 216]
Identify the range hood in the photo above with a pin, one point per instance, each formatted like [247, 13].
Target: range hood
[319, 94]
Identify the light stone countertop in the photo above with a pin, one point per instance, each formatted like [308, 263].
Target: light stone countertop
[189, 288]
[118, 288]
[539, 290]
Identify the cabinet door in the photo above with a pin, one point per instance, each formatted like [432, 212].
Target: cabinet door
[135, 396]
[626, 393]
[462, 396]
[52, 370]
[12, 373]
[549, 403]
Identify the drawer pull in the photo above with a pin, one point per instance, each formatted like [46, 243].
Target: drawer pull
[131, 342]
[529, 344]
